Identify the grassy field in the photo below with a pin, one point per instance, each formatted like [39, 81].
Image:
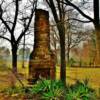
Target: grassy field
[7, 78]
[72, 74]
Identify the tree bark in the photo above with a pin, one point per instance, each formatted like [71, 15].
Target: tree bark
[14, 58]
[63, 63]
[68, 59]
[97, 32]
[61, 29]
[68, 49]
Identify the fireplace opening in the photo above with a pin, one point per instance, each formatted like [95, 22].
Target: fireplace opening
[42, 72]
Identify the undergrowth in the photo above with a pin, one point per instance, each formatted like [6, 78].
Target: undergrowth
[55, 90]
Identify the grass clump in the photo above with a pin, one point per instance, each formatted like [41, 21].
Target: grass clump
[49, 89]
[13, 90]
[55, 90]
[80, 91]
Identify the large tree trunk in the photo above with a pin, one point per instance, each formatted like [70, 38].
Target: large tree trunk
[97, 32]
[14, 58]
[63, 62]
[62, 53]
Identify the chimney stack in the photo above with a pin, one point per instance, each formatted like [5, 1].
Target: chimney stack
[42, 60]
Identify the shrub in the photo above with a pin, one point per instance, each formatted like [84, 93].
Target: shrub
[54, 90]
[80, 91]
[49, 89]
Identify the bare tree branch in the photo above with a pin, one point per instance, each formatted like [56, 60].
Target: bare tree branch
[83, 21]
[26, 28]
[4, 22]
[5, 38]
[79, 10]
[16, 15]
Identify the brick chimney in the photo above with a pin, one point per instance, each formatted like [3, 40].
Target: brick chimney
[42, 60]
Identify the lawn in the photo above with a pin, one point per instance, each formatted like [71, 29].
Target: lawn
[72, 74]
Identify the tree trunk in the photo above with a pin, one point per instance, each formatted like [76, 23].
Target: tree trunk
[14, 59]
[97, 59]
[62, 53]
[23, 65]
[63, 63]
[97, 31]
[68, 52]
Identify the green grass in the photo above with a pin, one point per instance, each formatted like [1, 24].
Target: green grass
[73, 74]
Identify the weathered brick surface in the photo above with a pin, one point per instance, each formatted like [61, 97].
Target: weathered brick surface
[42, 60]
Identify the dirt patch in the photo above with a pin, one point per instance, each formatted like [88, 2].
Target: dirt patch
[19, 97]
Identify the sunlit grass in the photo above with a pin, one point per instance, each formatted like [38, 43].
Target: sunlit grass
[7, 77]
[91, 74]
[72, 74]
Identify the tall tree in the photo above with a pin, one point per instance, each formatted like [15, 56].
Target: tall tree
[95, 20]
[74, 35]
[14, 14]
[58, 12]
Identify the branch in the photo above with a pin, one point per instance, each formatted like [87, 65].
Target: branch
[16, 15]
[26, 44]
[53, 9]
[5, 38]
[83, 21]
[26, 28]
[59, 9]
[77, 42]
[4, 22]
[79, 10]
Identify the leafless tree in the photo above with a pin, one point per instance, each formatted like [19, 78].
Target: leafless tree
[74, 35]
[15, 19]
[58, 9]
[95, 21]
[58, 12]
